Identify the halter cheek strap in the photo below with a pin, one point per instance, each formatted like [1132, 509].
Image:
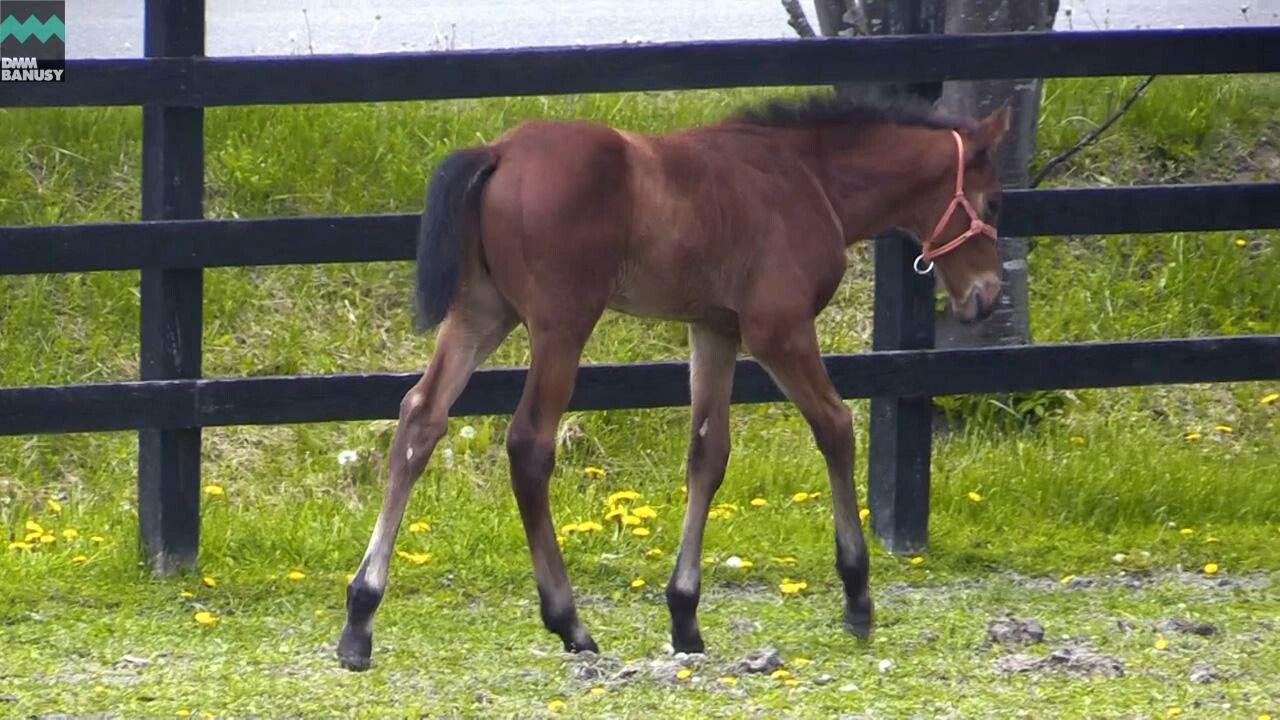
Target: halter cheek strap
[924, 262]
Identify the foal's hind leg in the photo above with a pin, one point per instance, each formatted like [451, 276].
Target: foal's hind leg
[466, 338]
[710, 384]
[531, 447]
[788, 348]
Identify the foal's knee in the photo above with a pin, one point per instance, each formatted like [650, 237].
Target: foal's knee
[532, 454]
[833, 428]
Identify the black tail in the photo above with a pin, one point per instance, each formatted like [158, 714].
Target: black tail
[451, 216]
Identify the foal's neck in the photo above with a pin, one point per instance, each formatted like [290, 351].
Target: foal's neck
[871, 173]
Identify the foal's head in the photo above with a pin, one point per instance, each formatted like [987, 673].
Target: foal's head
[955, 216]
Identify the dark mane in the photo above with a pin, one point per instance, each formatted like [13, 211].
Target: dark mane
[827, 109]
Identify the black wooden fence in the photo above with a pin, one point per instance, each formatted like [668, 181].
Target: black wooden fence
[172, 245]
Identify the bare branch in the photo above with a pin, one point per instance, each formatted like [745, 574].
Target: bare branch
[1091, 136]
[797, 20]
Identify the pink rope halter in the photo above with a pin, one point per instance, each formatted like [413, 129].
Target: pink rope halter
[976, 225]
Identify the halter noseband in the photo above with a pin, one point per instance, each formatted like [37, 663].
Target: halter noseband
[976, 225]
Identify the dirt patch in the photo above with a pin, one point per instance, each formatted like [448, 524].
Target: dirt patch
[1075, 660]
[610, 671]
[1014, 631]
[764, 660]
[1204, 673]
[1181, 625]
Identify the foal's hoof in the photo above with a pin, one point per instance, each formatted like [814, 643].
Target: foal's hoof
[355, 650]
[688, 644]
[585, 644]
[857, 619]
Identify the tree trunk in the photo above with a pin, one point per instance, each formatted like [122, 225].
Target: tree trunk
[1010, 324]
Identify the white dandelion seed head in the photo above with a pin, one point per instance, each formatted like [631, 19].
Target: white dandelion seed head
[733, 561]
[467, 432]
[346, 457]
[447, 454]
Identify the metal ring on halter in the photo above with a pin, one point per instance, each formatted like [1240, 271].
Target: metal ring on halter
[927, 268]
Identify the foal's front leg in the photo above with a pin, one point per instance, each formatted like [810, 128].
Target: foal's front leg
[710, 384]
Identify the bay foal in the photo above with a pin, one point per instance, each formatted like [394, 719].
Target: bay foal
[738, 229]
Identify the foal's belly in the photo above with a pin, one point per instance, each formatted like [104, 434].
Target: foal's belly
[671, 295]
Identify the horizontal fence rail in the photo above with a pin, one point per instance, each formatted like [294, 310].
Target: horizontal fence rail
[365, 238]
[664, 66]
[908, 373]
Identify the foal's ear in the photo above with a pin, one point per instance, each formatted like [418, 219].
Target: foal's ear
[991, 129]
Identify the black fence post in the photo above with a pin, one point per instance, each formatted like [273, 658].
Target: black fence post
[172, 189]
[901, 440]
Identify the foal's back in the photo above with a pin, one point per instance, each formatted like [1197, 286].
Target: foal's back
[681, 226]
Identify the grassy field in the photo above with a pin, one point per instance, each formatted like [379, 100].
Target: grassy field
[1094, 512]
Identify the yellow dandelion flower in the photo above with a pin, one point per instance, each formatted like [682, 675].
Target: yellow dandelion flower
[623, 496]
[206, 618]
[416, 558]
[1066, 579]
[1077, 439]
[653, 552]
[1161, 643]
[730, 681]
[759, 502]
[727, 506]
[1241, 242]
[645, 512]
[1211, 569]
[1227, 429]
[556, 706]
[1264, 716]
[917, 560]
[20, 545]
[863, 514]
[183, 712]
[638, 583]
[791, 587]
[97, 539]
[54, 506]
[319, 612]
[720, 514]
[214, 490]
[640, 532]
[1270, 399]
[1210, 540]
[209, 581]
[80, 559]
[974, 497]
[791, 682]
[569, 528]
[784, 560]
[1187, 532]
[1192, 436]
[746, 565]
[803, 497]
[589, 526]
[780, 674]
[186, 594]
[70, 533]
[631, 521]
[47, 539]
[1174, 710]
[684, 674]
[597, 690]
[34, 527]
[592, 471]
[297, 575]
[419, 527]
[615, 511]
[800, 662]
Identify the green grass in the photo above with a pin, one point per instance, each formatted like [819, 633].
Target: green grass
[1065, 488]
